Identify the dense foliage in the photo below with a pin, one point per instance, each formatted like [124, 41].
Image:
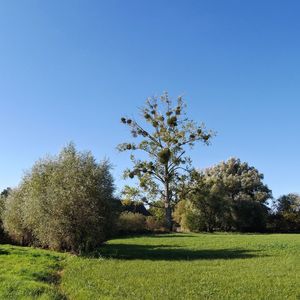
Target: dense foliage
[230, 196]
[64, 203]
[1, 213]
[164, 140]
[129, 223]
[3, 195]
[286, 214]
[158, 213]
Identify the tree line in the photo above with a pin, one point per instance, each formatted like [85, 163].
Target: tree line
[68, 202]
[230, 196]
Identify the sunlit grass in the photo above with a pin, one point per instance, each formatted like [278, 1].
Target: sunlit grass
[175, 266]
[191, 266]
[27, 273]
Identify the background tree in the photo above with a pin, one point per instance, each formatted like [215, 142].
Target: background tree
[6, 192]
[164, 139]
[286, 214]
[131, 201]
[64, 203]
[211, 203]
[230, 196]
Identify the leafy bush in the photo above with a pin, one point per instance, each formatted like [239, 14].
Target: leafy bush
[130, 222]
[4, 194]
[64, 203]
[1, 225]
[158, 211]
[155, 225]
[179, 215]
[189, 218]
[13, 217]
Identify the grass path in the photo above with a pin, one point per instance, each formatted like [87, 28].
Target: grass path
[177, 266]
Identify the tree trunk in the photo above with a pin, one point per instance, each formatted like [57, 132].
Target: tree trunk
[168, 212]
[168, 209]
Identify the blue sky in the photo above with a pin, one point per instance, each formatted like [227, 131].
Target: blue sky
[70, 69]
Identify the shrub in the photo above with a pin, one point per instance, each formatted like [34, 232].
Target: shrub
[64, 203]
[13, 217]
[154, 225]
[130, 222]
[189, 218]
[1, 212]
[180, 213]
[3, 195]
[158, 211]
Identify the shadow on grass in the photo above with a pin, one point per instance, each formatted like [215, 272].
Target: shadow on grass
[48, 271]
[157, 236]
[166, 252]
[3, 252]
[171, 235]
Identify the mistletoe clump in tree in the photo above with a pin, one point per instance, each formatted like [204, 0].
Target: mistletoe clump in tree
[166, 136]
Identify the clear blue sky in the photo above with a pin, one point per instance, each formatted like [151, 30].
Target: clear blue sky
[70, 69]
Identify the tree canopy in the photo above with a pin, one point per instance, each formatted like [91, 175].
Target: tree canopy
[229, 196]
[286, 214]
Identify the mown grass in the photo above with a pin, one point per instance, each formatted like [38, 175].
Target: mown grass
[175, 266]
[189, 266]
[27, 273]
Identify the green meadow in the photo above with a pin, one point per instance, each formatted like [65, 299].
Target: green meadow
[169, 266]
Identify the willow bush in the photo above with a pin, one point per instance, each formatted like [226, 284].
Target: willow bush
[1, 212]
[64, 203]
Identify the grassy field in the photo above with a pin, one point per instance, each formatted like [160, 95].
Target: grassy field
[27, 273]
[176, 266]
